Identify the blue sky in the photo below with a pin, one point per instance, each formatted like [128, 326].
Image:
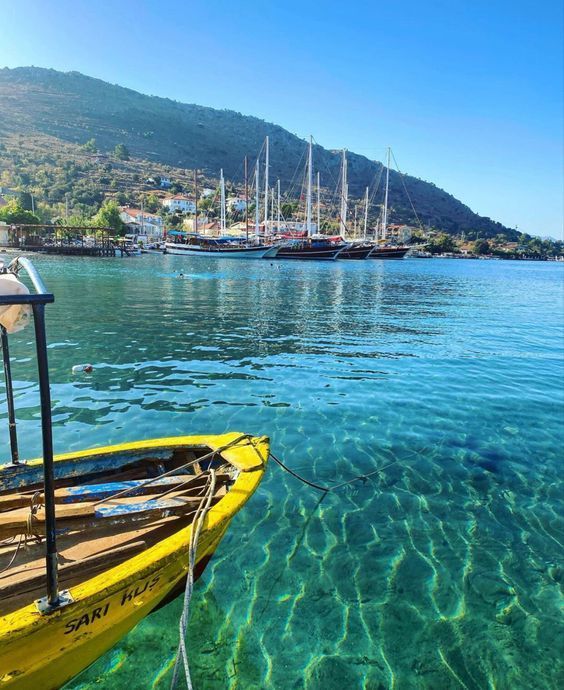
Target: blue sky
[469, 94]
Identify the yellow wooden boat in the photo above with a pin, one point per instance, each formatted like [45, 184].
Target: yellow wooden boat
[114, 574]
[105, 533]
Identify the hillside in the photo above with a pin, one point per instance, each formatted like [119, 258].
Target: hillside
[54, 113]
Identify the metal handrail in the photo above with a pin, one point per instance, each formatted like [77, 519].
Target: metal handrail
[37, 300]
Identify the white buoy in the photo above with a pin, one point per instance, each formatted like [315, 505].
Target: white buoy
[82, 369]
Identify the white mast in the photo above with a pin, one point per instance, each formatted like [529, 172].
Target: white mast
[257, 218]
[385, 216]
[223, 224]
[278, 208]
[365, 212]
[318, 203]
[309, 186]
[344, 194]
[266, 187]
[271, 205]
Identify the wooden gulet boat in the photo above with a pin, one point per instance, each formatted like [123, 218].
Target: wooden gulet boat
[385, 251]
[356, 249]
[93, 541]
[312, 247]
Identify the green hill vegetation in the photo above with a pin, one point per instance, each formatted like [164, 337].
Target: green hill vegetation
[72, 139]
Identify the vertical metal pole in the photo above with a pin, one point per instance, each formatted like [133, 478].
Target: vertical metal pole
[10, 397]
[48, 474]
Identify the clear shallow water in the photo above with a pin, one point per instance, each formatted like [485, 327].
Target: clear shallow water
[446, 570]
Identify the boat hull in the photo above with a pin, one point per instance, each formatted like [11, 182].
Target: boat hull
[229, 253]
[356, 252]
[309, 253]
[388, 252]
[45, 651]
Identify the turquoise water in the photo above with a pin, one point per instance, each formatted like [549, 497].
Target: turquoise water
[446, 570]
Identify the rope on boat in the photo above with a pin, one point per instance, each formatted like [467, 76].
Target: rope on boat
[35, 504]
[201, 513]
[175, 470]
[328, 489]
[14, 556]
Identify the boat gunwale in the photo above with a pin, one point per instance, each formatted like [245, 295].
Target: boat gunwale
[250, 458]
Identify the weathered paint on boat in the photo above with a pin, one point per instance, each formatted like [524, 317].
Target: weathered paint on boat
[45, 651]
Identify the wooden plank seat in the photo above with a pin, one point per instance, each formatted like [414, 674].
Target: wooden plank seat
[85, 514]
[99, 491]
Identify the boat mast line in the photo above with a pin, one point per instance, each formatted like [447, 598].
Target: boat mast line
[266, 166]
[385, 212]
[246, 201]
[406, 192]
[309, 187]
[328, 489]
[151, 480]
[195, 226]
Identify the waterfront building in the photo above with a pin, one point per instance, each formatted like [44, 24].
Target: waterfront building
[141, 223]
[179, 203]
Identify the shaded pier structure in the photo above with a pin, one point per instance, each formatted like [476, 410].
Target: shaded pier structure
[61, 239]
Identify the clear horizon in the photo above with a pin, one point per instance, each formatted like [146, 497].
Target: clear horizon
[469, 95]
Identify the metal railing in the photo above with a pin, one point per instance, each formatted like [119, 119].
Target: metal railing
[37, 301]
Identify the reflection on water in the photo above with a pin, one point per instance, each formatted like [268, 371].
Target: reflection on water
[443, 571]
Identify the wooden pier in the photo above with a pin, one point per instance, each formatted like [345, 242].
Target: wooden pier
[64, 240]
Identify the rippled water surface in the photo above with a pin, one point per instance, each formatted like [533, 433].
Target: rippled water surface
[443, 571]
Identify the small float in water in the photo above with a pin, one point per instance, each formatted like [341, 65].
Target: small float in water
[92, 541]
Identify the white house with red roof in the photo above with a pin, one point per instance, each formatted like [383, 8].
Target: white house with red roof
[140, 222]
[179, 203]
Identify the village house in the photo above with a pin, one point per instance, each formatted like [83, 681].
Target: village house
[142, 224]
[179, 203]
[400, 233]
[205, 226]
[236, 204]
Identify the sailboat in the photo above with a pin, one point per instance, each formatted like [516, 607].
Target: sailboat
[356, 249]
[91, 541]
[313, 246]
[223, 246]
[387, 251]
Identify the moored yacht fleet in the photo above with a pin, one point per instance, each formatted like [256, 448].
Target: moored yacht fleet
[280, 239]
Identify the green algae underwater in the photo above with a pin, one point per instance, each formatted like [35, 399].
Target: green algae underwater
[442, 571]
